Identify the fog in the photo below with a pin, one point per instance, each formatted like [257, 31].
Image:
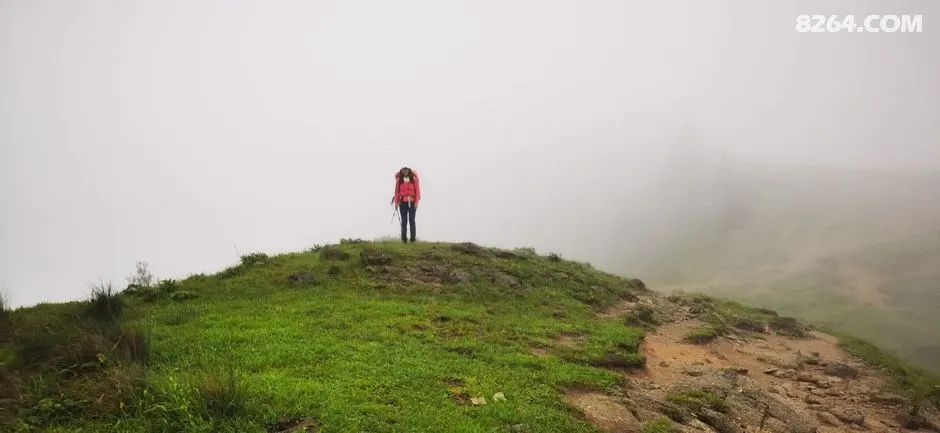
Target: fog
[627, 134]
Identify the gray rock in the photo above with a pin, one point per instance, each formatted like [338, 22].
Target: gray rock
[374, 257]
[887, 398]
[828, 419]
[841, 370]
[458, 276]
[806, 377]
[849, 415]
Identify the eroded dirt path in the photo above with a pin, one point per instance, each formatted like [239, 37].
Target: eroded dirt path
[771, 383]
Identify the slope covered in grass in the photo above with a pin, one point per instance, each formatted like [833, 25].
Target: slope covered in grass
[362, 336]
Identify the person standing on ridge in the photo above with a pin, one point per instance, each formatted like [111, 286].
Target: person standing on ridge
[407, 196]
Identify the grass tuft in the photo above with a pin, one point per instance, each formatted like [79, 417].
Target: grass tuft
[221, 393]
[104, 304]
[4, 306]
[660, 426]
[642, 316]
[334, 253]
[703, 334]
[254, 259]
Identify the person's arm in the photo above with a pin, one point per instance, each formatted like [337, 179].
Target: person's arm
[395, 197]
[417, 190]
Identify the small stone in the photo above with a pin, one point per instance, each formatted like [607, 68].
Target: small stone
[842, 370]
[828, 418]
[850, 416]
[771, 370]
[806, 377]
[887, 398]
[478, 401]
[663, 364]
[812, 399]
[499, 396]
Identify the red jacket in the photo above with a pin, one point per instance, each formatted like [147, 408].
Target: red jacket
[404, 191]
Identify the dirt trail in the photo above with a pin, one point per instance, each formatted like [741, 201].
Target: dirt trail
[771, 383]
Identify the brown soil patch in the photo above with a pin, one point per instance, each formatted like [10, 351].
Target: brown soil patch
[569, 340]
[541, 352]
[792, 369]
[618, 310]
[605, 412]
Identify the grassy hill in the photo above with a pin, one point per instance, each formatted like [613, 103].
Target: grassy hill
[360, 336]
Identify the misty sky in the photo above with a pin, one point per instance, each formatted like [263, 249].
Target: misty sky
[185, 133]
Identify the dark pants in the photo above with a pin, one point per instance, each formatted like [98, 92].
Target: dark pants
[407, 213]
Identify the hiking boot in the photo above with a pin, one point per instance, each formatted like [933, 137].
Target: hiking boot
[412, 240]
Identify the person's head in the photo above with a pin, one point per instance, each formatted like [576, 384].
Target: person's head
[404, 172]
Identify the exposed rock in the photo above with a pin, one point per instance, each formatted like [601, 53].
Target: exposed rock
[812, 358]
[818, 392]
[469, 248]
[457, 276]
[828, 419]
[841, 370]
[721, 422]
[849, 415]
[806, 377]
[887, 398]
[506, 280]
[374, 257]
[604, 412]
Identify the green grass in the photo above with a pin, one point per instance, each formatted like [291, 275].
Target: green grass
[660, 426]
[723, 316]
[358, 347]
[703, 334]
